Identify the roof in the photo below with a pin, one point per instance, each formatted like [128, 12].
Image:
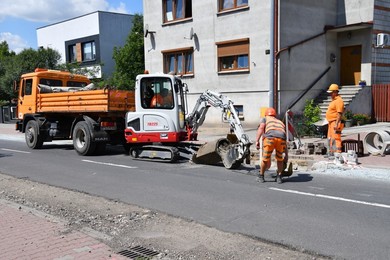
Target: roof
[77, 17]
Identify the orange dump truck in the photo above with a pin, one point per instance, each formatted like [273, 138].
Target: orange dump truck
[58, 105]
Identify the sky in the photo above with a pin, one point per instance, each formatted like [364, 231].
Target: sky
[19, 19]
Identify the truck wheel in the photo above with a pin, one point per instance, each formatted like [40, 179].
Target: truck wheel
[33, 139]
[82, 140]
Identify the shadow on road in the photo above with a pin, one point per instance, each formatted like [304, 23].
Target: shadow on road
[300, 177]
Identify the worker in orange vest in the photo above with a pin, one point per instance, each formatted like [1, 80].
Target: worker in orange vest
[164, 99]
[273, 133]
[335, 124]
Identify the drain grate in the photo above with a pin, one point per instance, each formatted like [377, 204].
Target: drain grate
[138, 252]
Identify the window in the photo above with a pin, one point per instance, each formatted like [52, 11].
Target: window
[177, 10]
[72, 53]
[157, 93]
[76, 84]
[233, 55]
[89, 51]
[179, 62]
[231, 4]
[27, 87]
[83, 50]
[51, 82]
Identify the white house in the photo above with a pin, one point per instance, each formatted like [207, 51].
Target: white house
[88, 39]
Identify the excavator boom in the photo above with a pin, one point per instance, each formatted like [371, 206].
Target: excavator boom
[230, 151]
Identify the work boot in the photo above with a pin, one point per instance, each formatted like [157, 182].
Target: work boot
[279, 179]
[261, 179]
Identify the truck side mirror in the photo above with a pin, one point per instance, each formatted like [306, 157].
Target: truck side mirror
[16, 86]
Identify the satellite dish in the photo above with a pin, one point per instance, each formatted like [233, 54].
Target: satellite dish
[146, 32]
[191, 34]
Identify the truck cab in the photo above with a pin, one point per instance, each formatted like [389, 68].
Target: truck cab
[44, 81]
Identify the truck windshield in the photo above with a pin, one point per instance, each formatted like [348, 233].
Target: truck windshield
[157, 92]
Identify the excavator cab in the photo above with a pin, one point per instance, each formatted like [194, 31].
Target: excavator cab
[159, 114]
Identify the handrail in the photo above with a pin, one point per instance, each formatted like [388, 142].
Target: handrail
[308, 88]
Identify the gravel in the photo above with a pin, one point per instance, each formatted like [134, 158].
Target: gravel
[122, 226]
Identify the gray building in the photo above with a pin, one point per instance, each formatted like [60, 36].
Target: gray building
[88, 39]
[267, 53]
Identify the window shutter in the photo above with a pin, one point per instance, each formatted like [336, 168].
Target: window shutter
[233, 48]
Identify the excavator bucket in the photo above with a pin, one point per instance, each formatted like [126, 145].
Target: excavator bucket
[229, 157]
[207, 154]
[214, 152]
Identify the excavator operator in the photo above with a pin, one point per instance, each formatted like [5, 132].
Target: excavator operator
[273, 133]
[164, 99]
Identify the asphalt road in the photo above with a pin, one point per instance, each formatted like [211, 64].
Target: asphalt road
[340, 217]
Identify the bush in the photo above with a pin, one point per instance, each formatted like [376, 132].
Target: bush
[311, 113]
[361, 119]
[348, 114]
[3, 102]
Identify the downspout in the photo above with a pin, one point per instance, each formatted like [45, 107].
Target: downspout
[272, 55]
[276, 60]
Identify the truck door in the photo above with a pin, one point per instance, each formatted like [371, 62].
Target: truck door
[27, 101]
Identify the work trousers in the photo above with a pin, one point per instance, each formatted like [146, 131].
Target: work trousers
[334, 137]
[271, 144]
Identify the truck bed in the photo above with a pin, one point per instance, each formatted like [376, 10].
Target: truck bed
[101, 100]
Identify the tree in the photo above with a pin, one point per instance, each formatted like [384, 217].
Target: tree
[13, 66]
[129, 59]
[4, 50]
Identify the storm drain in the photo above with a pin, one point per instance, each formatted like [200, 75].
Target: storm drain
[138, 252]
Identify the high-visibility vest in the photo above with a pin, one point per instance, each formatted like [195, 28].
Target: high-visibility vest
[272, 123]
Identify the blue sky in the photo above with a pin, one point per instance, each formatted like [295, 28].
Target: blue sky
[19, 19]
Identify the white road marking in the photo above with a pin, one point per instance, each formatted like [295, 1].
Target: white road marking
[16, 151]
[333, 198]
[110, 164]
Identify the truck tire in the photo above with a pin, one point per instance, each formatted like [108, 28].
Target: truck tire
[82, 139]
[33, 139]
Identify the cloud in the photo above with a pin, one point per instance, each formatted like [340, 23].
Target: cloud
[15, 42]
[50, 11]
[120, 9]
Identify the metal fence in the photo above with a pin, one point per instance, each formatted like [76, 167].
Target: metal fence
[381, 102]
[7, 114]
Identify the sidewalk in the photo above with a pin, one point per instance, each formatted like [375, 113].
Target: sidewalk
[356, 132]
[29, 234]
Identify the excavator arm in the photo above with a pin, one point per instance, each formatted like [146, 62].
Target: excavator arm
[231, 153]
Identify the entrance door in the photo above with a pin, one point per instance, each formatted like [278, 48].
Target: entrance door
[350, 65]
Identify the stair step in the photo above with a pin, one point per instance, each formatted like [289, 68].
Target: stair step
[346, 92]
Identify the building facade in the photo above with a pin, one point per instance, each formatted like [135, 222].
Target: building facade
[89, 39]
[267, 53]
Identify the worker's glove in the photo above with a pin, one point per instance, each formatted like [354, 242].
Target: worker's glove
[258, 145]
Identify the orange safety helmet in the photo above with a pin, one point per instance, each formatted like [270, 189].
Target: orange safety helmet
[333, 87]
[270, 112]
